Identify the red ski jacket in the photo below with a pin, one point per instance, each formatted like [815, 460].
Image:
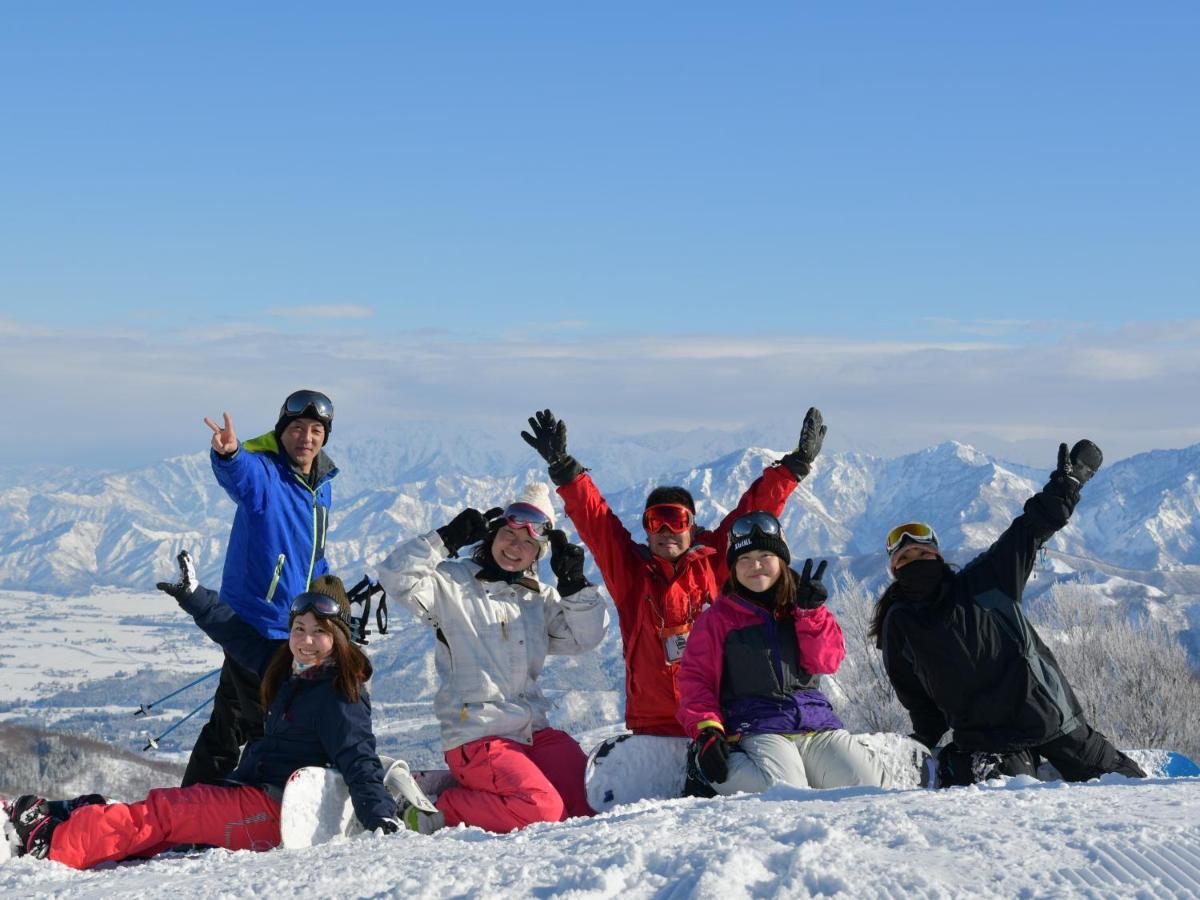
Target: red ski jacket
[657, 601]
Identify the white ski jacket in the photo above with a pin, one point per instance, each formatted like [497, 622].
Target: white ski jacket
[492, 638]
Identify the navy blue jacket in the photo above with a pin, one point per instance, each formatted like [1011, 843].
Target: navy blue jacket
[277, 542]
[309, 722]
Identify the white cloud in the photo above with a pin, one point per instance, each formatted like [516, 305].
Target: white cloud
[143, 394]
[330, 311]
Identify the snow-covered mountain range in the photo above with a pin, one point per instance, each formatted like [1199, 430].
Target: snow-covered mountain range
[1137, 531]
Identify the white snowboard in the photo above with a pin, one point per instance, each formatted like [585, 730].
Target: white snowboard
[631, 767]
[317, 808]
[628, 767]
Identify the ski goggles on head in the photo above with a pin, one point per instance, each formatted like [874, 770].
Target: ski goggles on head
[320, 605]
[744, 526]
[529, 517]
[911, 533]
[671, 516]
[300, 402]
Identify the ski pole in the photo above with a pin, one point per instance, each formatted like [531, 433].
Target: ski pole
[144, 708]
[152, 744]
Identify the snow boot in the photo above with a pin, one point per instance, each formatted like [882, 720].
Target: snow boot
[31, 819]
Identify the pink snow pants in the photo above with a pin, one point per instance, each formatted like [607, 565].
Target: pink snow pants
[504, 785]
[237, 818]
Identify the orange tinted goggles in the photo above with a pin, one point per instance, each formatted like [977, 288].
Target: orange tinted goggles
[671, 516]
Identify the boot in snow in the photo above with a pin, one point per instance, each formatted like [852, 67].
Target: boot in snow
[31, 819]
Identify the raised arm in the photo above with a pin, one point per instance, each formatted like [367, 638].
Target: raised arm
[613, 547]
[242, 475]
[217, 620]
[1008, 563]
[575, 615]
[819, 638]
[770, 491]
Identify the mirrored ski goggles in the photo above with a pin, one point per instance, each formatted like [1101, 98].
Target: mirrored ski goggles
[910, 532]
[671, 516]
[320, 605]
[744, 526]
[301, 401]
[529, 517]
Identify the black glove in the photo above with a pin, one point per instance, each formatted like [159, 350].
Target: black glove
[810, 590]
[812, 435]
[549, 439]
[468, 527]
[566, 561]
[712, 754]
[187, 578]
[1083, 462]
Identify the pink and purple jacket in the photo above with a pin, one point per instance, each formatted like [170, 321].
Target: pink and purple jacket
[750, 673]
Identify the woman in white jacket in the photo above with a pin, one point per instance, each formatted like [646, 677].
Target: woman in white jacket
[495, 624]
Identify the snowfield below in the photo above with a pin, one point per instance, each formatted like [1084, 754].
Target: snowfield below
[1111, 838]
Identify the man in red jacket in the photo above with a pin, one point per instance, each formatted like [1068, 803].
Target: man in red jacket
[660, 587]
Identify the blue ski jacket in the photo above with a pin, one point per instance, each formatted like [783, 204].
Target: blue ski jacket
[277, 542]
[309, 722]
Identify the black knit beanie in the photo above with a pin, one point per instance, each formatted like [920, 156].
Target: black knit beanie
[756, 540]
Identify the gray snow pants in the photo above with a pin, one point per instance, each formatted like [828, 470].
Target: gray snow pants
[818, 759]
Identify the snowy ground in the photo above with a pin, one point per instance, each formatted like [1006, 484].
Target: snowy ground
[1113, 838]
[85, 663]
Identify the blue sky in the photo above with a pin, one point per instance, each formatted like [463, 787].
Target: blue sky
[670, 214]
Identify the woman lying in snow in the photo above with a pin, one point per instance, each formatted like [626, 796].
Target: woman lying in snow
[749, 692]
[318, 714]
[495, 625]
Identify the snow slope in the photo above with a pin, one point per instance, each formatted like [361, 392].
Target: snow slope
[1111, 838]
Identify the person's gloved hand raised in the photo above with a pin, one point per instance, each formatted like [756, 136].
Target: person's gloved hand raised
[187, 578]
[549, 439]
[712, 754]
[810, 590]
[1075, 468]
[812, 436]
[469, 527]
[566, 561]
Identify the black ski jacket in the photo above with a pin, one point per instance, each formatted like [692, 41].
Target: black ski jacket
[968, 658]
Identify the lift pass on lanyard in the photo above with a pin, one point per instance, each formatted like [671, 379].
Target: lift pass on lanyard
[674, 640]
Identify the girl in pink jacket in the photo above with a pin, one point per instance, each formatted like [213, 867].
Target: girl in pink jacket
[749, 682]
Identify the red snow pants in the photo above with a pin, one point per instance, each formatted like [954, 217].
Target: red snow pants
[504, 785]
[237, 818]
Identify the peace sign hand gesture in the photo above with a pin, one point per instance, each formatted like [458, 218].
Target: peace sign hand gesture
[224, 441]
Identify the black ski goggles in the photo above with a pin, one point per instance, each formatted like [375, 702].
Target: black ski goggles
[300, 402]
[911, 533]
[320, 605]
[764, 522]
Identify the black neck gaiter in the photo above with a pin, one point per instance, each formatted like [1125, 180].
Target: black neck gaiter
[921, 579]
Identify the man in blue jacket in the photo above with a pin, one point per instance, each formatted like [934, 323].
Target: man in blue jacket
[280, 483]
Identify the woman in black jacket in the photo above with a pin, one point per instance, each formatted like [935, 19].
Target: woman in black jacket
[318, 714]
[961, 654]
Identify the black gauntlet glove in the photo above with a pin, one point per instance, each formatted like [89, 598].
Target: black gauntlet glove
[469, 527]
[812, 435]
[549, 439]
[810, 590]
[1076, 468]
[712, 754]
[566, 561]
[187, 578]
